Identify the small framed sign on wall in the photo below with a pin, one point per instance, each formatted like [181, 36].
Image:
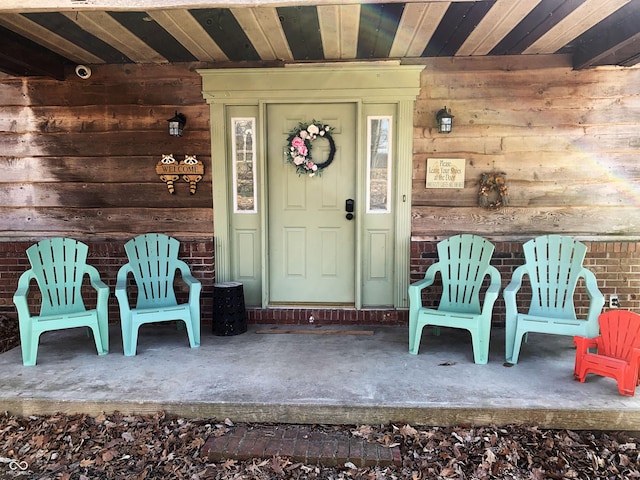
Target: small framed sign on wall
[445, 172]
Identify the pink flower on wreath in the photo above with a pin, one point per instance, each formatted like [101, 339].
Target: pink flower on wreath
[302, 150]
[297, 142]
[298, 160]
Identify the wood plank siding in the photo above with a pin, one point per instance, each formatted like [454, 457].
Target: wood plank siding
[567, 140]
[78, 156]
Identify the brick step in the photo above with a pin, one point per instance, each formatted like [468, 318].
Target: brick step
[299, 444]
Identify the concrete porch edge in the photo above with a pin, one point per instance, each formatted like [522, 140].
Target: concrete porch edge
[577, 419]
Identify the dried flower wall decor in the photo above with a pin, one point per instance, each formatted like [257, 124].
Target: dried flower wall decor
[493, 191]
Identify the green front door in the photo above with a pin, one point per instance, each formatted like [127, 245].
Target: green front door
[311, 250]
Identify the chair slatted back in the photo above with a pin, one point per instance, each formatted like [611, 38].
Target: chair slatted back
[153, 259]
[58, 265]
[464, 261]
[554, 264]
[619, 333]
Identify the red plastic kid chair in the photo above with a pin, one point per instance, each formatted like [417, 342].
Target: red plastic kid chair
[617, 352]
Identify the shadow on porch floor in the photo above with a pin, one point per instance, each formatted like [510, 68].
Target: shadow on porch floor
[307, 379]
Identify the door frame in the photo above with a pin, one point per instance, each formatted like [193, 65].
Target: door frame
[387, 83]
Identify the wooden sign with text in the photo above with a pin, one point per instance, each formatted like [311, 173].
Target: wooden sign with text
[445, 172]
[170, 171]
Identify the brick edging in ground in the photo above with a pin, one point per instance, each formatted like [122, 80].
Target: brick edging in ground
[300, 444]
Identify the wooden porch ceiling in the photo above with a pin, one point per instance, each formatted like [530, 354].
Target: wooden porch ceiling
[41, 37]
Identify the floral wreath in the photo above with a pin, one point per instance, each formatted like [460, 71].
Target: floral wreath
[299, 147]
[493, 182]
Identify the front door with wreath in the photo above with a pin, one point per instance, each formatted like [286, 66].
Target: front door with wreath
[311, 242]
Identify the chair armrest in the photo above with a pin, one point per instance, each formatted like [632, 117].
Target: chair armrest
[95, 280]
[596, 300]
[635, 359]
[510, 291]
[492, 292]
[415, 289]
[22, 292]
[194, 287]
[192, 282]
[186, 274]
[516, 281]
[100, 287]
[121, 285]
[583, 344]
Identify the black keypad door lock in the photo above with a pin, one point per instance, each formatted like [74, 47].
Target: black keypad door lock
[349, 206]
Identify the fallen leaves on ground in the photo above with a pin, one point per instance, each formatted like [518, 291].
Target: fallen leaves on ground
[116, 446]
[9, 333]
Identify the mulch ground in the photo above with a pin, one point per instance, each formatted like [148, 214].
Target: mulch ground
[9, 333]
[116, 446]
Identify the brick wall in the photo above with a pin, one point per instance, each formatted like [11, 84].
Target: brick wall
[616, 266]
[107, 257]
[329, 316]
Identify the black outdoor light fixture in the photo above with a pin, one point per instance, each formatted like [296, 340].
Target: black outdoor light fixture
[445, 120]
[176, 124]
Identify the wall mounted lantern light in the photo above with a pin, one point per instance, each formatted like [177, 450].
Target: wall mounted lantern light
[176, 124]
[445, 120]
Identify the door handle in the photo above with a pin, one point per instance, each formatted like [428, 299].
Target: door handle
[349, 207]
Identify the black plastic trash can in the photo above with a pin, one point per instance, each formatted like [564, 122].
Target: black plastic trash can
[229, 313]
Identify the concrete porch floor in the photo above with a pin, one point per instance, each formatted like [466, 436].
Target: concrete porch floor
[320, 378]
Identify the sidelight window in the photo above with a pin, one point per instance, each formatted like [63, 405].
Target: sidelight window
[244, 164]
[379, 164]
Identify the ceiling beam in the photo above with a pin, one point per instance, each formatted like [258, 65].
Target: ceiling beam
[587, 15]
[21, 57]
[145, 5]
[109, 30]
[614, 41]
[625, 54]
[503, 17]
[339, 26]
[186, 30]
[48, 39]
[417, 25]
[265, 32]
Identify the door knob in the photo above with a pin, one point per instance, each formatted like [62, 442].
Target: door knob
[349, 207]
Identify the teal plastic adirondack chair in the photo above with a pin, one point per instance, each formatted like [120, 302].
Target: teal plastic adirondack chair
[153, 262]
[59, 266]
[553, 264]
[463, 263]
